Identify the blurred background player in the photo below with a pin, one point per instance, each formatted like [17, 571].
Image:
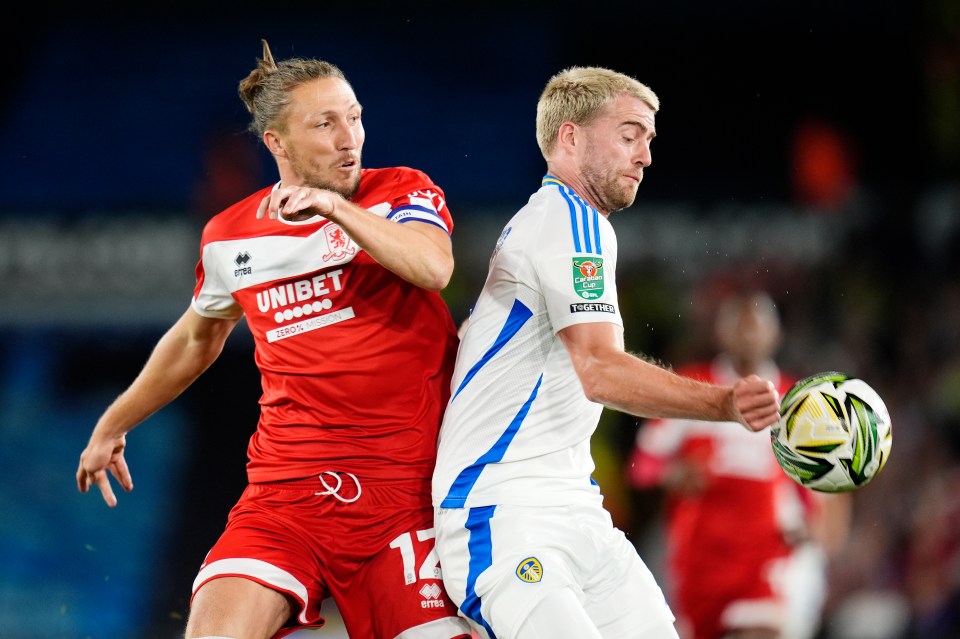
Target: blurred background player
[337, 271]
[744, 555]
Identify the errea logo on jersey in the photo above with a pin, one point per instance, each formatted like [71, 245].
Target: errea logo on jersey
[241, 261]
[588, 277]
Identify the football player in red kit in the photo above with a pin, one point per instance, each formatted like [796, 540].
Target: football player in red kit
[720, 482]
[337, 271]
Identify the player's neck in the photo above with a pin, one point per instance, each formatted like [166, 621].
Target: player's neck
[573, 179]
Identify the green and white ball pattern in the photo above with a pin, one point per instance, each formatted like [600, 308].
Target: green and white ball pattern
[834, 433]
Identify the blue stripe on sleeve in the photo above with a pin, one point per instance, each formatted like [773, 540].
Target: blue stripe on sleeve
[596, 231]
[573, 219]
[585, 216]
[588, 214]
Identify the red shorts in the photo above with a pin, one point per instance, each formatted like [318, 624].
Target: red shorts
[729, 595]
[366, 543]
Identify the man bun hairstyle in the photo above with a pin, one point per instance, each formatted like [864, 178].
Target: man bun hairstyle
[266, 89]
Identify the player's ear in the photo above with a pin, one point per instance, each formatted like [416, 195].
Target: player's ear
[568, 135]
[273, 143]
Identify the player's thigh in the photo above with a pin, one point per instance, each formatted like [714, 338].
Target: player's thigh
[399, 590]
[559, 615]
[621, 595]
[500, 562]
[265, 543]
[238, 608]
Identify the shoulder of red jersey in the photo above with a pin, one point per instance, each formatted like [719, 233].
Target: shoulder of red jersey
[403, 178]
[238, 220]
[409, 194]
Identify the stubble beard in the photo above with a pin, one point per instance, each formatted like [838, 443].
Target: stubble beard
[603, 181]
[312, 177]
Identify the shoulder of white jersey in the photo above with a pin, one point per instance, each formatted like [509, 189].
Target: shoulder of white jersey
[579, 227]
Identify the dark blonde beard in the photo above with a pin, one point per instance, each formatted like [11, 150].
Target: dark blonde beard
[347, 193]
[601, 180]
[309, 172]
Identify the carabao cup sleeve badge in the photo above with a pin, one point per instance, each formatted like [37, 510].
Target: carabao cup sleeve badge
[588, 277]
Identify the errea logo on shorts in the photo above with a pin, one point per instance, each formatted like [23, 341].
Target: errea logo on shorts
[431, 596]
[530, 570]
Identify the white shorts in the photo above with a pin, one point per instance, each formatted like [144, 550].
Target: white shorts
[499, 562]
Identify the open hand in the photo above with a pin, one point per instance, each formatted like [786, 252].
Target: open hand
[96, 460]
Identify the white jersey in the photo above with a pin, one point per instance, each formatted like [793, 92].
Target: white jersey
[517, 428]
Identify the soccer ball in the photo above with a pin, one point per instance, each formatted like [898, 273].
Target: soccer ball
[834, 433]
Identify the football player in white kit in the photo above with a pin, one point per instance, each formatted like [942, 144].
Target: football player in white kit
[526, 548]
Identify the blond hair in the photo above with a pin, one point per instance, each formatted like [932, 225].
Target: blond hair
[578, 94]
[266, 90]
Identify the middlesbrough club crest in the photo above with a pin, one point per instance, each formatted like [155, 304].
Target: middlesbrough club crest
[339, 244]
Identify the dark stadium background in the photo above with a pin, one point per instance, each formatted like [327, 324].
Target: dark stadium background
[809, 148]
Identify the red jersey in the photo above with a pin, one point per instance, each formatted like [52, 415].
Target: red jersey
[355, 361]
[725, 543]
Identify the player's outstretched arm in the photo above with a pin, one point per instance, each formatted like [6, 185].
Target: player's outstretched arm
[619, 380]
[182, 354]
[418, 252]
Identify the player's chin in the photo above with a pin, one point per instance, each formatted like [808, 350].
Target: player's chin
[627, 197]
[631, 184]
[344, 184]
[349, 182]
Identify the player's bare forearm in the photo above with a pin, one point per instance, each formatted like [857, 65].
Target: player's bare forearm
[181, 355]
[632, 385]
[627, 383]
[419, 252]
